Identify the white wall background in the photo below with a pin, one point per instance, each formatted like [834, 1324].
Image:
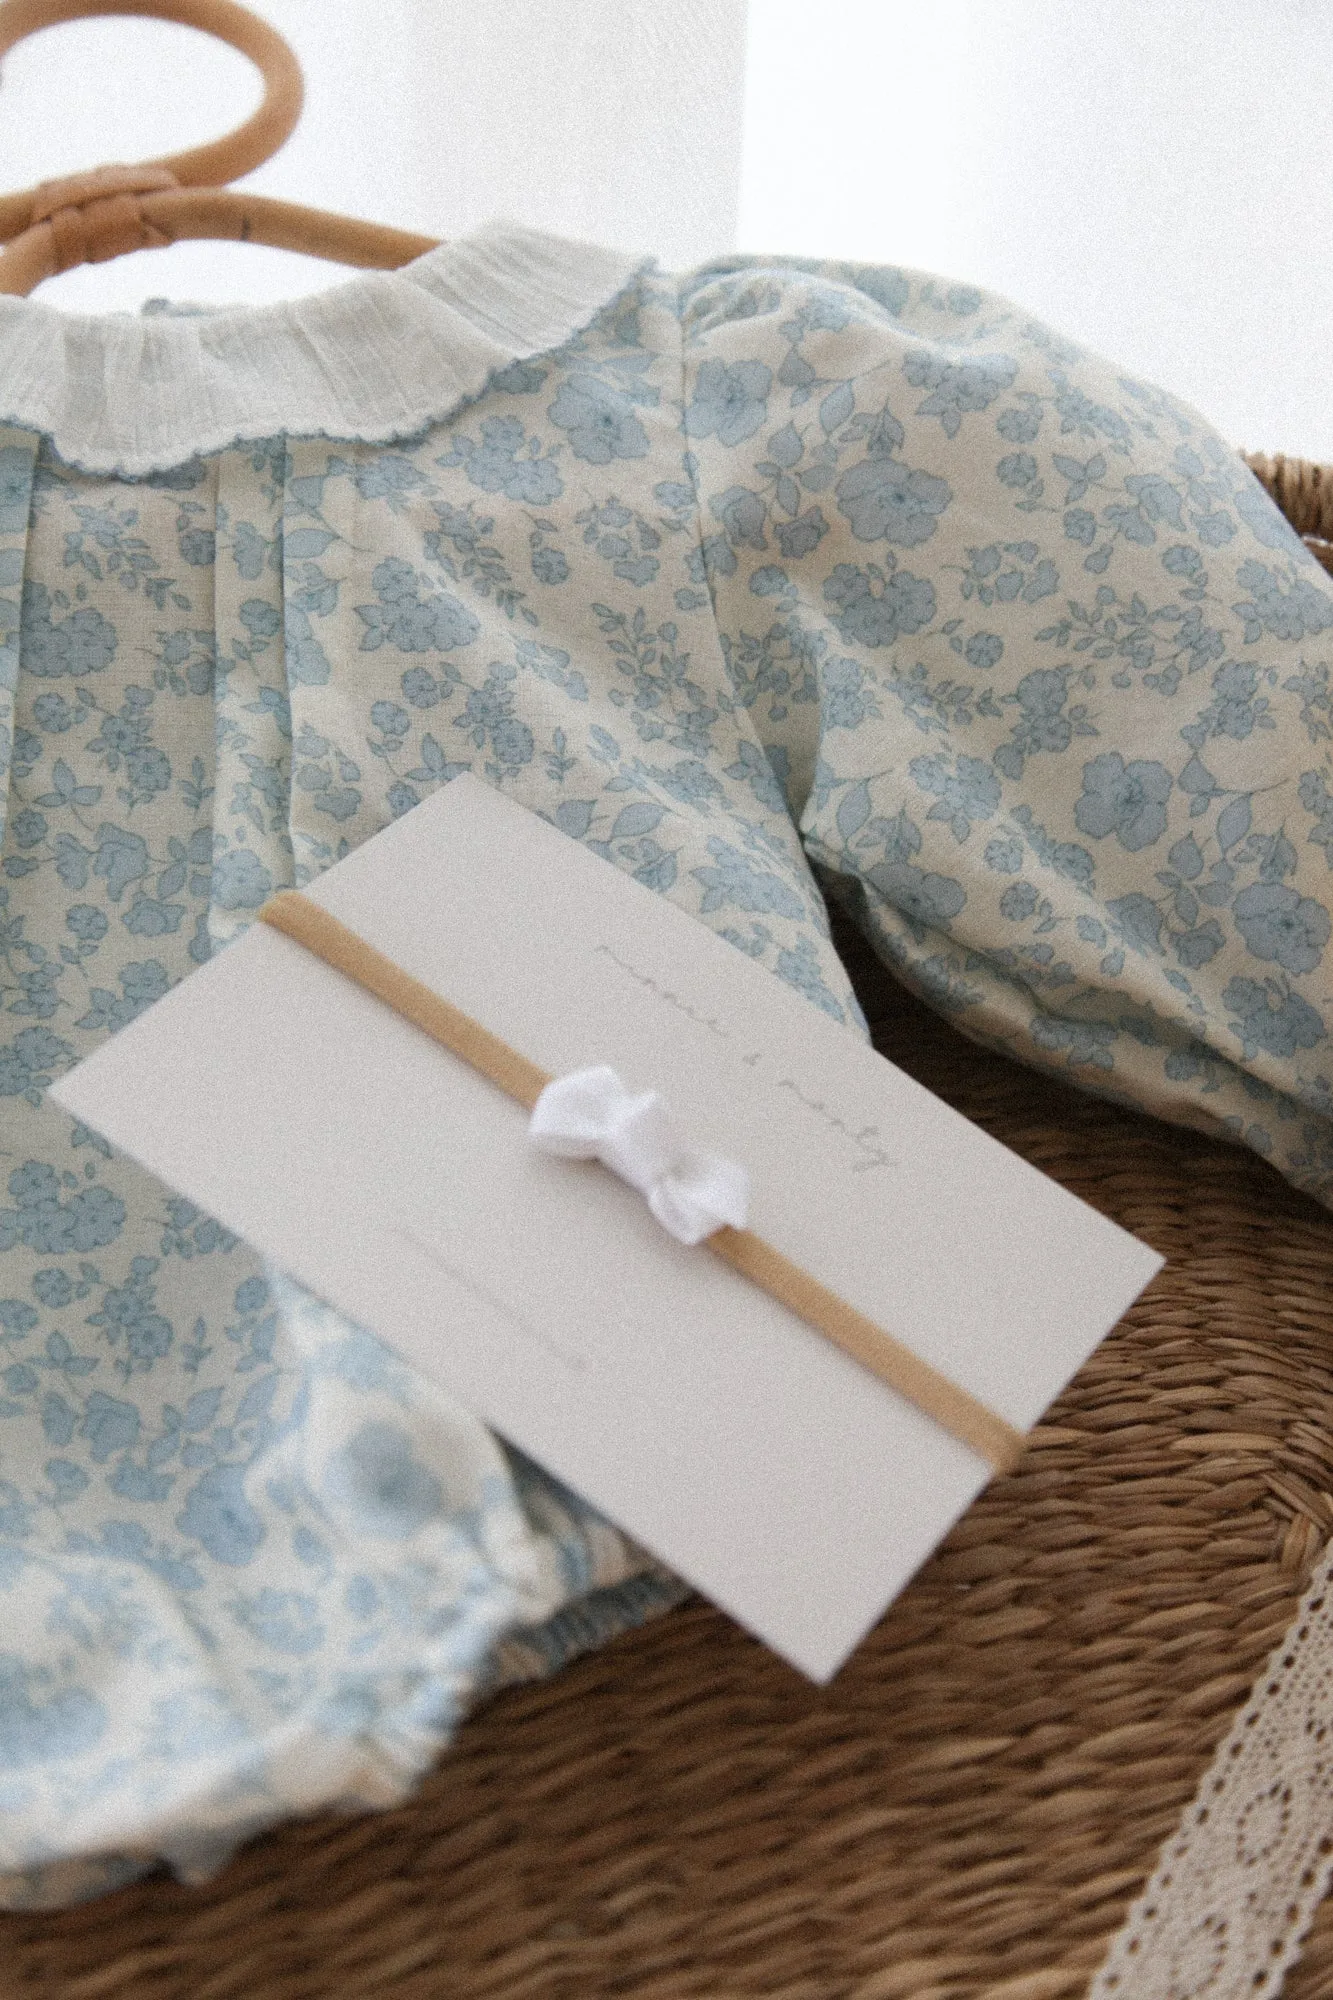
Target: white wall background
[1150, 175]
[617, 120]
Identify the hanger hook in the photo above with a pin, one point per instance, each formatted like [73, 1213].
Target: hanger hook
[223, 159]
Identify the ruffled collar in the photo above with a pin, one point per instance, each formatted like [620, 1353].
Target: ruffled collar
[378, 358]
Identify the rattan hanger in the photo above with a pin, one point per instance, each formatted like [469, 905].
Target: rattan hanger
[92, 217]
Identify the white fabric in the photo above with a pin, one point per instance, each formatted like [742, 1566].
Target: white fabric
[381, 357]
[590, 1115]
[1235, 1890]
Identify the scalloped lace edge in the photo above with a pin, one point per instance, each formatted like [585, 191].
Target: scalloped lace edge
[1228, 1907]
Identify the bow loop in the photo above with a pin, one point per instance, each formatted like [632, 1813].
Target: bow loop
[590, 1115]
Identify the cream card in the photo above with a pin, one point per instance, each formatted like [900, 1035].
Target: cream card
[742, 1447]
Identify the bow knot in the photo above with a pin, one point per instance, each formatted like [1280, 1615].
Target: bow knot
[590, 1115]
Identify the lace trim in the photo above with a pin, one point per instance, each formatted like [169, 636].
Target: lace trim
[379, 358]
[1235, 1889]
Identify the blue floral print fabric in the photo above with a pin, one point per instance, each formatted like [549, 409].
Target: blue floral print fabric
[780, 579]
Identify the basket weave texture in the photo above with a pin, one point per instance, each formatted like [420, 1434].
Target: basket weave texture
[967, 1811]
[1304, 492]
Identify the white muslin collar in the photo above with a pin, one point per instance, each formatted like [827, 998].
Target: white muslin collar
[378, 358]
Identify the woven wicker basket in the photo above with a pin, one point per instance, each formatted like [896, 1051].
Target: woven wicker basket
[970, 1807]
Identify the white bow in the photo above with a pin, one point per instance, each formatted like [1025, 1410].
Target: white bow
[590, 1115]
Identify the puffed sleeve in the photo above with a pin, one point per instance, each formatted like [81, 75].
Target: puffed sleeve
[1045, 677]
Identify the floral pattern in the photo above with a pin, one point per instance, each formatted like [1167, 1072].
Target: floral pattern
[779, 580]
